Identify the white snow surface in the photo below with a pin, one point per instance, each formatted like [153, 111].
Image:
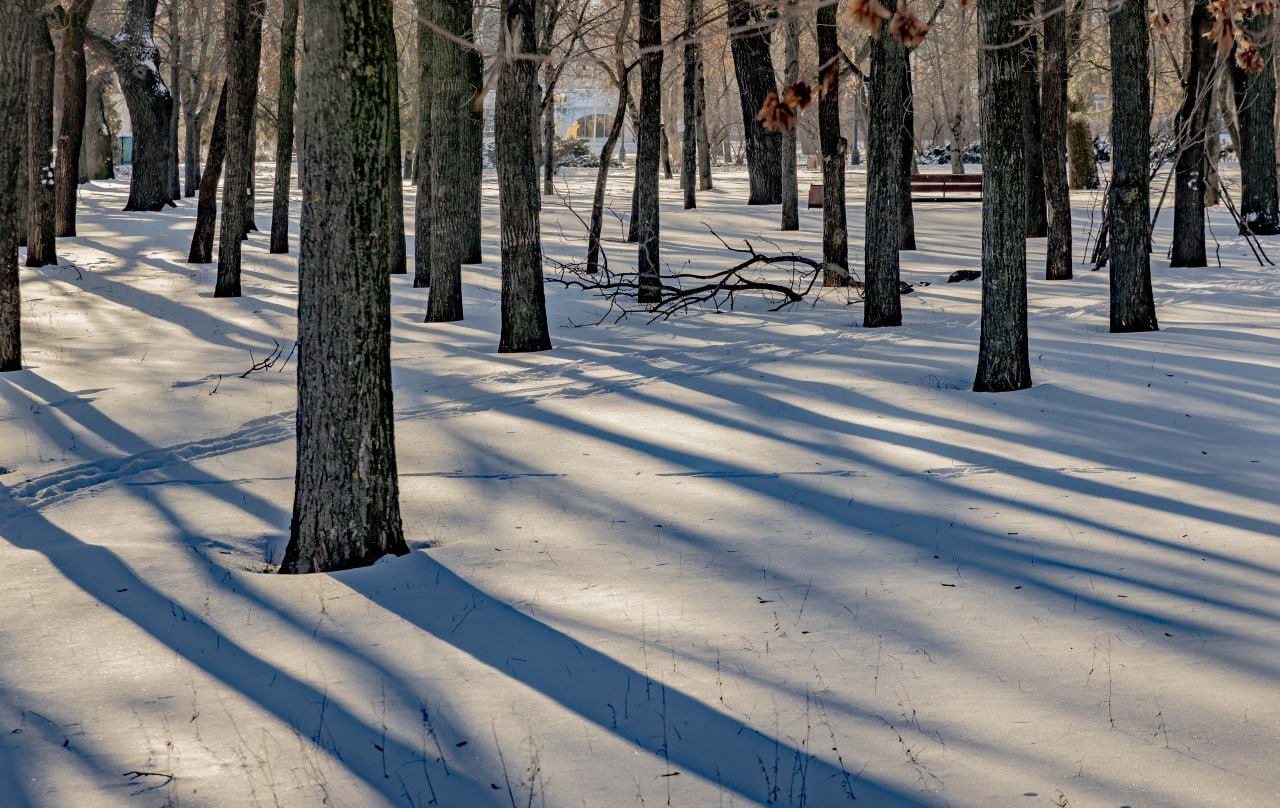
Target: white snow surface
[731, 558]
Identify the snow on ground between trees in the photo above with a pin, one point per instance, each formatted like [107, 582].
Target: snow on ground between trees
[731, 558]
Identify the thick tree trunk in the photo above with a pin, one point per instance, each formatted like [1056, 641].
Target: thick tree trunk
[175, 87]
[1003, 361]
[648, 148]
[1037, 222]
[41, 249]
[399, 264]
[16, 21]
[790, 202]
[346, 509]
[243, 31]
[907, 239]
[284, 128]
[71, 22]
[1192, 166]
[882, 305]
[1053, 93]
[689, 97]
[207, 206]
[754, 69]
[524, 308]
[427, 41]
[133, 54]
[1255, 96]
[704, 140]
[97, 139]
[1132, 305]
[835, 230]
[473, 155]
[448, 195]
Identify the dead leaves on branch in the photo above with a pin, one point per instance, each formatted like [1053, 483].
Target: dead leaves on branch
[1228, 30]
[779, 112]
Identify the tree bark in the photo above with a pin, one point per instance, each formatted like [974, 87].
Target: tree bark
[207, 206]
[882, 305]
[448, 194]
[791, 75]
[193, 119]
[426, 121]
[549, 153]
[244, 45]
[16, 21]
[1003, 361]
[284, 128]
[648, 148]
[97, 139]
[907, 239]
[1037, 222]
[133, 54]
[175, 88]
[1192, 166]
[346, 509]
[473, 154]
[72, 19]
[1053, 92]
[41, 248]
[1129, 204]
[399, 264]
[754, 68]
[602, 178]
[835, 230]
[1082, 162]
[1255, 97]
[524, 308]
[689, 97]
[704, 140]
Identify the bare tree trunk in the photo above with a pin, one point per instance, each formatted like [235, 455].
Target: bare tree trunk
[882, 305]
[908, 154]
[1255, 96]
[835, 230]
[704, 140]
[97, 139]
[648, 146]
[955, 147]
[193, 119]
[346, 508]
[1037, 222]
[1082, 163]
[448, 194]
[133, 54]
[71, 20]
[1192, 166]
[549, 137]
[602, 177]
[399, 264]
[175, 87]
[16, 21]
[754, 69]
[284, 128]
[1003, 361]
[244, 44]
[689, 135]
[791, 75]
[1129, 204]
[41, 249]
[427, 41]
[1053, 92]
[207, 206]
[524, 308]
[473, 155]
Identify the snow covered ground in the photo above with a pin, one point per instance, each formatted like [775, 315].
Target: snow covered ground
[727, 559]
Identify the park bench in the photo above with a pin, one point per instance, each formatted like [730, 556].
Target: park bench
[929, 188]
